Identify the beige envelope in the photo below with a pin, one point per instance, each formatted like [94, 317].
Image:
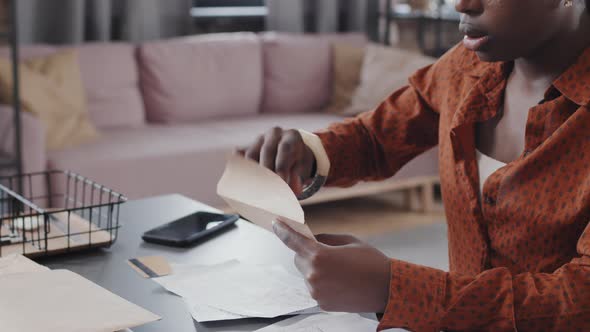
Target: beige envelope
[13, 264]
[63, 301]
[260, 195]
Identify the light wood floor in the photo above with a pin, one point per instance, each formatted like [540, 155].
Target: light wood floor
[368, 215]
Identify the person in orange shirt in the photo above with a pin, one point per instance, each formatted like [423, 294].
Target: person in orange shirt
[509, 109]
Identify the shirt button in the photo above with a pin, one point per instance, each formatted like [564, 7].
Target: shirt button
[489, 200]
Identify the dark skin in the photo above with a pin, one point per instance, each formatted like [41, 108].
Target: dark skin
[540, 52]
[540, 37]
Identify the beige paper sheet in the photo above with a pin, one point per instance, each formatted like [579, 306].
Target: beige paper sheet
[13, 264]
[260, 195]
[63, 301]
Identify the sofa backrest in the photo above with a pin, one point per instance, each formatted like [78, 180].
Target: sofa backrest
[296, 73]
[204, 77]
[201, 77]
[111, 81]
[298, 70]
[237, 74]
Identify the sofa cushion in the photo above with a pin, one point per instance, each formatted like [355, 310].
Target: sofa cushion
[297, 73]
[298, 70]
[347, 66]
[160, 159]
[53, 92]
[111, 81]
[202, 77]
[190, 159]
[352, 39]
[110, 76]
[375, 87]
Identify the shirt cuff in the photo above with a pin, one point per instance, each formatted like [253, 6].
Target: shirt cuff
[416, 295]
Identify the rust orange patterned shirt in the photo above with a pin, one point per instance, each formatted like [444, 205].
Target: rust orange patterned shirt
[519, 256]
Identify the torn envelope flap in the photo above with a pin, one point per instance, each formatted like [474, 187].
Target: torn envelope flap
[265, 219]
[260, 195]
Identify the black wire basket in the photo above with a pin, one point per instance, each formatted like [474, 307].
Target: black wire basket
[55, 212]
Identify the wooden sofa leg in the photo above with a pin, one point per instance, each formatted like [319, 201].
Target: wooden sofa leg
[413, 199]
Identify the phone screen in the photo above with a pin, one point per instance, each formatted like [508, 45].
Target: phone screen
[190, 229]
[189, 225]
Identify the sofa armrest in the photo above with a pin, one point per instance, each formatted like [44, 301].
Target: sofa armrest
[34, 154]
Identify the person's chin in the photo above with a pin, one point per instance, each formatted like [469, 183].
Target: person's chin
[493, 53]
[487, 57]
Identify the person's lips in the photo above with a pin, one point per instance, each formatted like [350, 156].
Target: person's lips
[475, 38]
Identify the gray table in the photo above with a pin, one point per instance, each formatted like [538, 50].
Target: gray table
[246, 242]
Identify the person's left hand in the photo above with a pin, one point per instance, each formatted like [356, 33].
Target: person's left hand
[342, 273]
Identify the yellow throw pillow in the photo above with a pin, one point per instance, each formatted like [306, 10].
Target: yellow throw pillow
[52, 90]
[347, 62]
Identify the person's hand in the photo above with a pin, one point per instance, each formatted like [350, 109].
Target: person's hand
[342, 273]
[283, 152]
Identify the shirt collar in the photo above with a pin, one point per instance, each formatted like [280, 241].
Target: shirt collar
[574, 83]
[485, 98]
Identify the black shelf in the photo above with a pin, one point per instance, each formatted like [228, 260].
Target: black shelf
[438, 16]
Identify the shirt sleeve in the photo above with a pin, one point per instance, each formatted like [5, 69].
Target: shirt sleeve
[429, 300]
[376, 144]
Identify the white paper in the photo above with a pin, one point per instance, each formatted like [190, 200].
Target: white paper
[324, 323]
[260, 195]
[235, 290]
[64, 301]
[201, 312]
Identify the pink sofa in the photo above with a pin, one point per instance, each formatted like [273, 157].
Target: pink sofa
[170, 111]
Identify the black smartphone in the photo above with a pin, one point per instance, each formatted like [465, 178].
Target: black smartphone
[190, 229]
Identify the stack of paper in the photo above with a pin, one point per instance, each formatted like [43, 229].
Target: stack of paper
[324, 323]
[235, 290]
[35, 298]
[260, 195]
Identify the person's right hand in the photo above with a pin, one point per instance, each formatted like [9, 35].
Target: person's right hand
[283, 152]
